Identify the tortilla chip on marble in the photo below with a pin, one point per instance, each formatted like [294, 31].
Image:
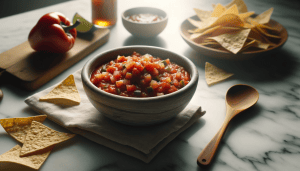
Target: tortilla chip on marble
[65, 93]
[12, 157]
[18, 127]
[214, 74]
[40, 137]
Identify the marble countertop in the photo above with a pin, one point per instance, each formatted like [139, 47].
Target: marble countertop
[265, 137]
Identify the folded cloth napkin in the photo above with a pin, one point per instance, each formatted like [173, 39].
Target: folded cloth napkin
[142, 142]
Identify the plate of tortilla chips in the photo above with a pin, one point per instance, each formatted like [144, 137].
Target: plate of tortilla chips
[232, 32]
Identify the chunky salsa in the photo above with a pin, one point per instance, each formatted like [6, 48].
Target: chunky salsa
[140, 76]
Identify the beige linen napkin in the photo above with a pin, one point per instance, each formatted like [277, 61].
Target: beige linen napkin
[140, 142]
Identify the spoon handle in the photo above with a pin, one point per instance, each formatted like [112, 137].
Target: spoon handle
[209, 151]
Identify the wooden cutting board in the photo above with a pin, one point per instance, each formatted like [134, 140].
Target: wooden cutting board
[33, 69]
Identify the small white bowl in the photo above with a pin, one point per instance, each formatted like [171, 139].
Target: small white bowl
[145, 30]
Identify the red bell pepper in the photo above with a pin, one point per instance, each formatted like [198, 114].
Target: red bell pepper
[53, 33]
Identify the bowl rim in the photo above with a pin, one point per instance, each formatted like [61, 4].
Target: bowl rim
[85, 76]
[163, 20]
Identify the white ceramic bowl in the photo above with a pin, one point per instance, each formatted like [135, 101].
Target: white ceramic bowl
[134, 110]
[145, 30]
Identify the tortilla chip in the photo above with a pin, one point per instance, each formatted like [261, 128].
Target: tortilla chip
[18, 127]
[202, 25]
[264, 32]
[214, 74]
[40, 137]
[262, 45]
[218, 10]
[248, 45]
[209, 43]
[196, 23]
[232, 10]
[233, 42]
[241, 5]
[65, 93]
[264, 17]
[269, 28]
[245, 15]
[34, 161]
[229, 20]
[202, 15]
[196, 35]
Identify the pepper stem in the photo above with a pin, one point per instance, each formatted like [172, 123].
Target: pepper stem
[67, 28]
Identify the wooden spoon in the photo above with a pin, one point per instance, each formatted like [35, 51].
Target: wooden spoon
[238, 98]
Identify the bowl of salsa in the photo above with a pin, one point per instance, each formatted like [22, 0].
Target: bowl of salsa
[139, 85]
[144, 22]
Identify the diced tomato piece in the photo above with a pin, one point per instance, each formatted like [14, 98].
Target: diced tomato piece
[154, 84]
[168, 61]
[155, 72]
[160, 89]
[165, 74]
[112, 79]
[178, 76]
[135, 58]
[111, 69]
[121, 59]
[147, 78]
[126, 82]
[173, 70]
[142, 82]
[149, 66]
[135, 72]
[119, 83]
[130, 88]
[186, 82]
[128, 75]
[119, 66]
[96, 78]
[139, 66]
[112, 89]
[175, 83]
[165, 86]
[124, 72]
[172, 89]
[106, 76]
[130, 65]
[166, 79]
[117, 75]
[136, 54]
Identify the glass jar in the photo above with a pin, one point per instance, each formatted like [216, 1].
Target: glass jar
[104, 12]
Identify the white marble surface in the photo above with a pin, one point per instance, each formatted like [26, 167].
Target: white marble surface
[264, 138]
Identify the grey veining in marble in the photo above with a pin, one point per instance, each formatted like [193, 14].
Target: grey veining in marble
[264, 138]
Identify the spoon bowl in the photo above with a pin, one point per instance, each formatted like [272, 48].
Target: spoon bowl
[241, 97]
[238, 98]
